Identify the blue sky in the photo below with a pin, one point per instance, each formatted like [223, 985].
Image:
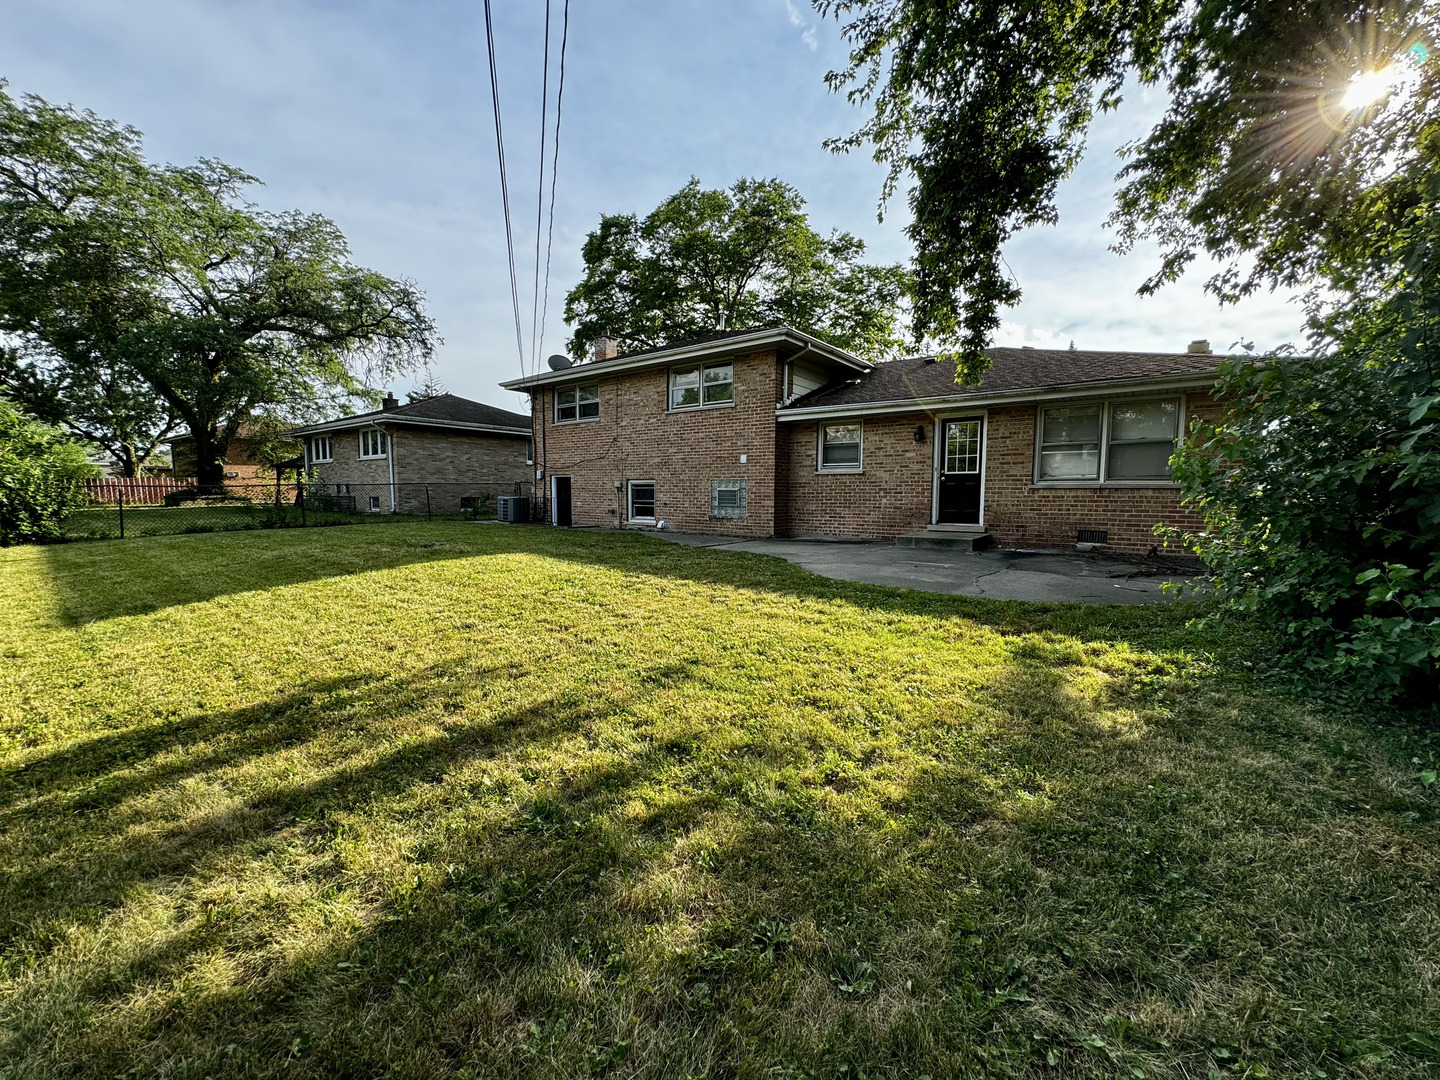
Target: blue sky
[377, 114]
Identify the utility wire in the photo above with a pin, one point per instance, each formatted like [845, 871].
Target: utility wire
[554, 166]
[504, 185]
[540, 196]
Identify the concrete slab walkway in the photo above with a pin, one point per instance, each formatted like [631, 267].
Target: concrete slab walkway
[1052, 576]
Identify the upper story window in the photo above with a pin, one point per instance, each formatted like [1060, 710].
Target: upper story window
[840, 447]
[1121, 441]
[577, 403]
[374, 443]
[696, 387]
[321, 449]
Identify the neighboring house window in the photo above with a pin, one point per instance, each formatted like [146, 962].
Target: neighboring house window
[642, 500]
[1070, 443]
[320, 449]
[698, 387]
[727, 498]
[1114, 441]
[373, 443]
[577, 403]
[529, 451]
[1142, 438]
[840, 447]
[374, 502]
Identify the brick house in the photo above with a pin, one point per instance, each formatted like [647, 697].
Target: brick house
[775, 433]
[242, 464]
[385, 459]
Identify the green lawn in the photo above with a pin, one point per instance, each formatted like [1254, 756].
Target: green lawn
[474, 800]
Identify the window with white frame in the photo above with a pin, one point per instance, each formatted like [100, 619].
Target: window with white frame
[374, 502]
[577, 403]
[1141, 439]
[642, 501]
[728, 498]
[698, 387]
[840, 447]
[1102, 442]
[374, 443]
[529, 451]
[321, 449]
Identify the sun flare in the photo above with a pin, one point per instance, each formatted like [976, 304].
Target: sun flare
[1368, 87]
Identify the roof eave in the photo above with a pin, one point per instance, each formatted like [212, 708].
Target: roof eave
[371, 419]
[704, 348]
[1057, 391]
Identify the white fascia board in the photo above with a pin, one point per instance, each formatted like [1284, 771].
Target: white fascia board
[353, 423]
[585, 372]
[1013, 397]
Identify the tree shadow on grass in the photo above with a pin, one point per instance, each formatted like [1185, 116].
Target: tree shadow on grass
[591, 881]
[102, 581]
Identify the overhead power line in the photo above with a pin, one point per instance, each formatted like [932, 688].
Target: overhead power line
[555, 163]
[540, 195]
[504, 185]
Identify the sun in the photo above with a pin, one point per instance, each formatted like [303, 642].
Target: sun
[1368, 87]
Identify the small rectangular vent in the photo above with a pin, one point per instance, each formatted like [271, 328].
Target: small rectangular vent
[1093, 536]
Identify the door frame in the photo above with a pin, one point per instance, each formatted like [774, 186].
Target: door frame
[554, 501]
[937, 457]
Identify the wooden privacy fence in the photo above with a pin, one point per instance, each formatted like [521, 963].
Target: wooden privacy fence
[136, 491]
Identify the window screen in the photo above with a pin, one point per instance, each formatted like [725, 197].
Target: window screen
[1142, 438]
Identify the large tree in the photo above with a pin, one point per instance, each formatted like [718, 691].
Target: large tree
[165, 277]
[1296, 142]
[746, 256]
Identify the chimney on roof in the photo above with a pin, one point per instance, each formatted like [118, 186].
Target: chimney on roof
[390, 404]
[606, 347]
[1199, 345]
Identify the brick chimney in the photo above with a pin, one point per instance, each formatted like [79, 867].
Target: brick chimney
[606, 347]
[1199, 345]
[390, 404]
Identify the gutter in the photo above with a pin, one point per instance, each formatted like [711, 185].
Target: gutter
[930, 404]
[356, 423]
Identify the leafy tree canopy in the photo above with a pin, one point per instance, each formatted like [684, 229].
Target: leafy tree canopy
[742, 257]
[1271, 158]
[166, 278]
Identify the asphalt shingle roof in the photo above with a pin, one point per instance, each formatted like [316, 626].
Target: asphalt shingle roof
[1012, 370]
[450, 407]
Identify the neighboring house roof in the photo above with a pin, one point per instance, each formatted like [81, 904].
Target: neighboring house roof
[442, 411]
[1014, 373]
[724, 342]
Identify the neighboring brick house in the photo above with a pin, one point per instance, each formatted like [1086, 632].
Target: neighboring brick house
[385, 459]
[242, 464]
[774, 433]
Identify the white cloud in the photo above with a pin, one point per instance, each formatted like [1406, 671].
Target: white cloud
[809, 36]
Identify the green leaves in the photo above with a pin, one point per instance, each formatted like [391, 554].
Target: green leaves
[41, 470]
[736, 258]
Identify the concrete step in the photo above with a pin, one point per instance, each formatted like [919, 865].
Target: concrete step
[950, 538]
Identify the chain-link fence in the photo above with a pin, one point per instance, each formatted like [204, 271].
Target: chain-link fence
[140, 509]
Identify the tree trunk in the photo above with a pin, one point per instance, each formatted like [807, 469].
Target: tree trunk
[209, 464]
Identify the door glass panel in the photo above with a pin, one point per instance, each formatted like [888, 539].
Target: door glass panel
[962, 446]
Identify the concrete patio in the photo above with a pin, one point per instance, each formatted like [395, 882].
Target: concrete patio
[999, 574]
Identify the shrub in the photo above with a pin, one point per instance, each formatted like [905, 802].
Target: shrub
[1320, 496]
[41, 474]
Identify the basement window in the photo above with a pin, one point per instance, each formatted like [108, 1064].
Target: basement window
[728, 498]
[642, 501]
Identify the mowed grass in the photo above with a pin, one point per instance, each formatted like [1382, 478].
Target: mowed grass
[478, 801]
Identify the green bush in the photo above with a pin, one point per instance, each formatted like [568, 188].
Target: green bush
[1320, 496]
[41, 478]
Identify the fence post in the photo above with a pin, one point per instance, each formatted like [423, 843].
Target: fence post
[427, 502]
[120, 502]
[300, 497]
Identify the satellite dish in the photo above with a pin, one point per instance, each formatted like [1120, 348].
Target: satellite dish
[559, 362]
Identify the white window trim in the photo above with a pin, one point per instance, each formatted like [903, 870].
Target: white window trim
[555, 412]
[1105, 404]
[330, 445]
[374, 457]
[630, 501]
[670, 405]
[820, 466]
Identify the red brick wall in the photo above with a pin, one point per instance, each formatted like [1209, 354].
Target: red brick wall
[637, 438]
[889, 497]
